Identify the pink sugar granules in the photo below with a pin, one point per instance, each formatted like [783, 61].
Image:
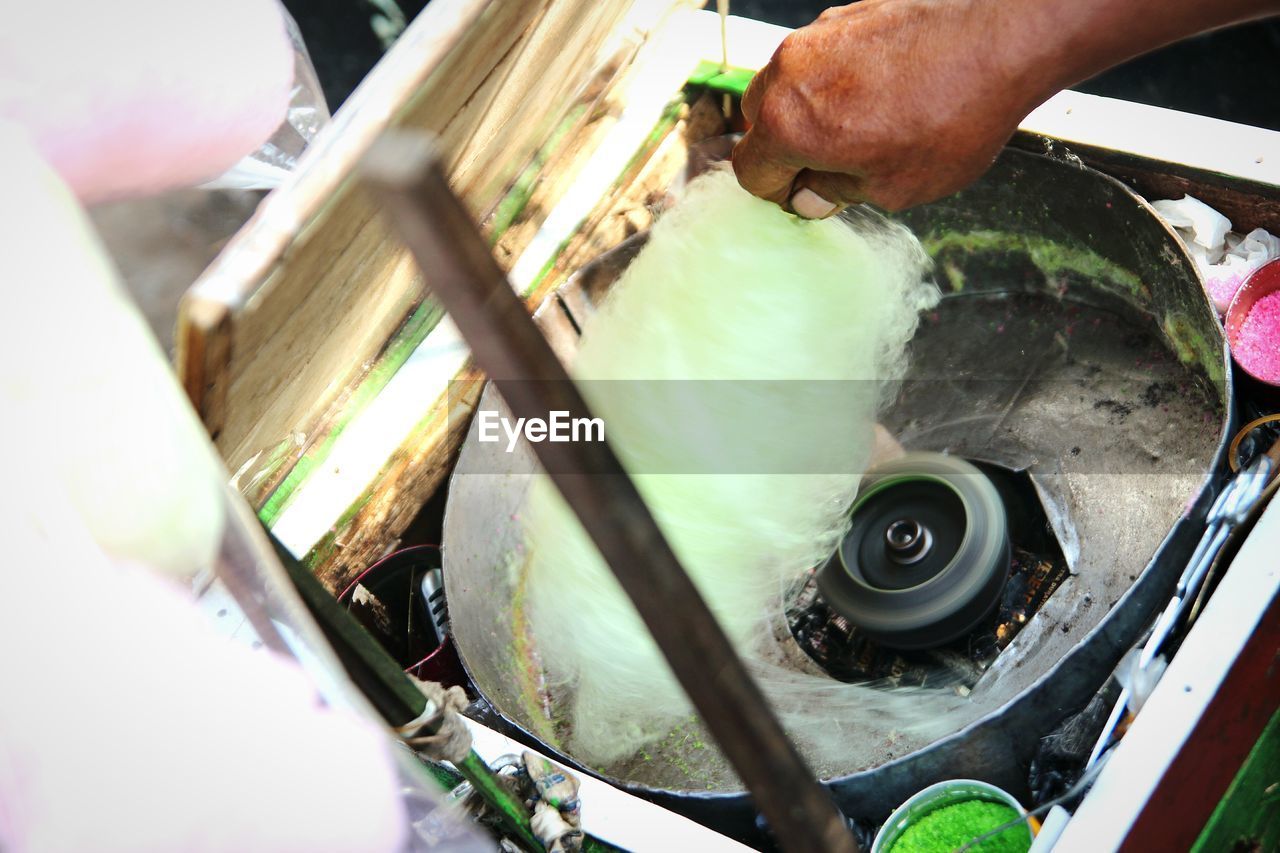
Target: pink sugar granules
[1258, 341]
[1222, 288]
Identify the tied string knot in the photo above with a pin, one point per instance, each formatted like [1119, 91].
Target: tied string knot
[439, 730]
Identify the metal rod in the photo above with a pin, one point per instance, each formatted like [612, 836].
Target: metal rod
[407, 179]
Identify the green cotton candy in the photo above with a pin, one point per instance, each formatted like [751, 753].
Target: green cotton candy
[952, 827]
[738, 365]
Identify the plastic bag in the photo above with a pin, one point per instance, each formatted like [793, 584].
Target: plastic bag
[267, 167]
[1225, 258]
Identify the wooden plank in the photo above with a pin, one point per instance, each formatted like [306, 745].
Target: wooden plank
[282, 375]
[408, 479]
[297, 308]
[1184, 798]
[206, 334]
[516, 220]
[560, 168]
[509, 119]
[520, 218]
[423, 460]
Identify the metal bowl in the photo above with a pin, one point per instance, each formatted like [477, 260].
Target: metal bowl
[1074, 343]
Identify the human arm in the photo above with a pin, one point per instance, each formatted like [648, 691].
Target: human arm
[899, 102]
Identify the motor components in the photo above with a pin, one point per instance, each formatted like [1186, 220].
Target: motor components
[926, 555]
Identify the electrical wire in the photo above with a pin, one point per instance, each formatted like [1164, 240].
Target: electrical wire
[1086, 779]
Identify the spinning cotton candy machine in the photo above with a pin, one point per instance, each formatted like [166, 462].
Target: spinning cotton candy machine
[1075, 362]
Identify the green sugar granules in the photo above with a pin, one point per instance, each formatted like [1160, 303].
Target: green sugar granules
[951, 827]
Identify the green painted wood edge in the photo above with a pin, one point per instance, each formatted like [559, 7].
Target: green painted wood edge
[1248, 815]
[322, 550]
[407, 339]
[732, 81]
[517, 198]
[325, 548]
[369, 666]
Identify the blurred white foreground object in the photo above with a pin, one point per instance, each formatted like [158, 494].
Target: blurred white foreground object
[129, 724]
[138, 96]
[89, 398]
[273, 161]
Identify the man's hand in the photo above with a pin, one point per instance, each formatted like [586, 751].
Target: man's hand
[899, 102]
[886, 101]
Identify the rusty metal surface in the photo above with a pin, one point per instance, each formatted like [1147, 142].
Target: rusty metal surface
[1074, 343]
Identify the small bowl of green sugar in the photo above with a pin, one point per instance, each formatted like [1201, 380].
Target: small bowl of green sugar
[946, 817]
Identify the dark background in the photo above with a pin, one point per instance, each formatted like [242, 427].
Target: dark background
[1231, 74]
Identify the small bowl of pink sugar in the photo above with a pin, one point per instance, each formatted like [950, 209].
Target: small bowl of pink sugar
[1253, 324]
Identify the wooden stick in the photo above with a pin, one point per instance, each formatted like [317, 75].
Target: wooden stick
[406, 176]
